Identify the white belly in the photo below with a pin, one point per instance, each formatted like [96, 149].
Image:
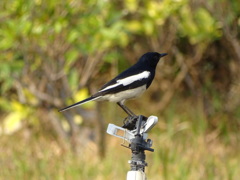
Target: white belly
[128, 94]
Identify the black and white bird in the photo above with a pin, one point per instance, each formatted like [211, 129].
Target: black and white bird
[129, 84]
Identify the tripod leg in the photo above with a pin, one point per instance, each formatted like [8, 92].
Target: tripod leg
[126, 109]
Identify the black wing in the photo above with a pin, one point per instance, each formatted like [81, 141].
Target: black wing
[115, 85]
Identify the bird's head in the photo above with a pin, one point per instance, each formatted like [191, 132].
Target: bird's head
[151, 58]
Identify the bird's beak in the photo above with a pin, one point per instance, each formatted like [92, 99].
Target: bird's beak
[163, 54]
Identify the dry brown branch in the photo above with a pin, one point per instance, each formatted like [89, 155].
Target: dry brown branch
[57, 126]
[20, 93]
[170, 92]
[89, 68]
[186, 66]
[100, 130]
[44, 96]
[233, 42]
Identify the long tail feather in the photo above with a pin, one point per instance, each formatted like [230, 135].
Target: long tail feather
[79, 103]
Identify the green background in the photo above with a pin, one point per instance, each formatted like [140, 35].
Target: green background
[54, 53]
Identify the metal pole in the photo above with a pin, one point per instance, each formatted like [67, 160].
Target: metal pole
[134, 131]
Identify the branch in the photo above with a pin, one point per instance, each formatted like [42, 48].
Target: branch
[45, 97]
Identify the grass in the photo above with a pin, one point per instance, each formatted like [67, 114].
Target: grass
[185, 149]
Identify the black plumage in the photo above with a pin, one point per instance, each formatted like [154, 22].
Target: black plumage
[129, 84]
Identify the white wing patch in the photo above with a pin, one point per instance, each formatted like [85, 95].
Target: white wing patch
[128, 80]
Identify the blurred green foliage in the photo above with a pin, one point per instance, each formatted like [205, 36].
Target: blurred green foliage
[54, 53]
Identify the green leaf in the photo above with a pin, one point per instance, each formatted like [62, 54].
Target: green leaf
[12, 123]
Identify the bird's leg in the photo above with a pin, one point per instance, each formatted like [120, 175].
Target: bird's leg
[126, 109]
